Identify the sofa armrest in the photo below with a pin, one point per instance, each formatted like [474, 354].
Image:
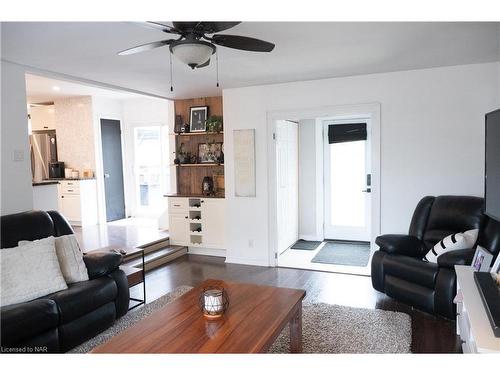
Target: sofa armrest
[100, 263]
[454, 258]
[402, 245]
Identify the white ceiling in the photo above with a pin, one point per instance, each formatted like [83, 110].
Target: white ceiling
[304, 51]
[41, 89]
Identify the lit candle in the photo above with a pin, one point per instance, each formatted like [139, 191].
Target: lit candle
[213, 301]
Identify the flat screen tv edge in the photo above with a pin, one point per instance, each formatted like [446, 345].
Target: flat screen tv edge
[492, 165]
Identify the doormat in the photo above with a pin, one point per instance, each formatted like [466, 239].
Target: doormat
[306, 245]
[344, 253]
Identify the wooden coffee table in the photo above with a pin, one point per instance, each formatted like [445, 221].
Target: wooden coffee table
[256, 316]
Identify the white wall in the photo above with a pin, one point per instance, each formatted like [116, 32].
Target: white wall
[432, 140]
[17, 191]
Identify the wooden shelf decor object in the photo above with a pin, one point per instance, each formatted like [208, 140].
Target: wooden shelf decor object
[190, 176]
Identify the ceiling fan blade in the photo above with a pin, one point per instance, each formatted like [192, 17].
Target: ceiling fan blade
[207, 63]
[145, 47]
[158, 26]
[242, 42]
[202, 27]
[185, 27]
[215, 27]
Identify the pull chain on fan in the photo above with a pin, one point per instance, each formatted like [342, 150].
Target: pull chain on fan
[171, 73]
[217, 67]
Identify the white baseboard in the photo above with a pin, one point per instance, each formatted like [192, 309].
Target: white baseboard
[248, 262]
[207, 251]
[308, 237]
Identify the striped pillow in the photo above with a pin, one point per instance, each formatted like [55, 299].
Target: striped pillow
[457, 241]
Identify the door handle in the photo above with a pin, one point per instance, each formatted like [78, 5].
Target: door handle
[367, 190]
[106, 175]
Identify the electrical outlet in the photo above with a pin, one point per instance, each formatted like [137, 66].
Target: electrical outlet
[250, 243]
[18, 155]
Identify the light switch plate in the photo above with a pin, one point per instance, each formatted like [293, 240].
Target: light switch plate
[18, 155]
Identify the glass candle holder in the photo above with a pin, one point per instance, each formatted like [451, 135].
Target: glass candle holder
[213, 302]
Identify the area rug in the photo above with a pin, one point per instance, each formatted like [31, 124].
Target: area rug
[344, 253]
[306, 245]
[326, 329]
[333, 329]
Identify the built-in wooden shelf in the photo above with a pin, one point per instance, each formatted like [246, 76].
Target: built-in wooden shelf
[199, 165]
[196, 133]
[190, 176]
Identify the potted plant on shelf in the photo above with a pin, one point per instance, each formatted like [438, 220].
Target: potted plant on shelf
[214, 124]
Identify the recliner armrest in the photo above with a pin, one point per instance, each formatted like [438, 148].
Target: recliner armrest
[454, 258]
[402, 245]
[100, 263]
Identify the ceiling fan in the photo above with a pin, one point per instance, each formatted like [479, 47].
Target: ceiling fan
[197, 41]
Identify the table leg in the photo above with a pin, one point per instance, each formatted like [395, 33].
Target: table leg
[296, 331]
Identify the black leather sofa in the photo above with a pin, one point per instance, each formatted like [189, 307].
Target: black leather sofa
[398, 270]
[62, 320]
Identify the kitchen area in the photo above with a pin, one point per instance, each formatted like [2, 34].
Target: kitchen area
[56, 185]
[99, 156]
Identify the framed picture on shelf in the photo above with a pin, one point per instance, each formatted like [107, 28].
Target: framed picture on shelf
[198, 118]
[482, 260]
[210, 152]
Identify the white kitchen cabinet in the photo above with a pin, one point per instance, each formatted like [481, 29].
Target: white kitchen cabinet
[45, 197]
[178, 229]
[78, 201]
[42, 117]
[197, 222]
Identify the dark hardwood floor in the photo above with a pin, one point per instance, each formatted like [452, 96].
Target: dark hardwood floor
[429, 334]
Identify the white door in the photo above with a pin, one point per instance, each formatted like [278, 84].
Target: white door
[212, 222]
[347, 175]
[287, 176]
[151, 170]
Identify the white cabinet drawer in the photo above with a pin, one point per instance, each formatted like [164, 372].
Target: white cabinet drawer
[70, 187]
[177, 204]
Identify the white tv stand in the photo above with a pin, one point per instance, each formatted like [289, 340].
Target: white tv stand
[473, 324]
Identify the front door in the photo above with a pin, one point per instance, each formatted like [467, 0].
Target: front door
[347, 177]
[113, 169]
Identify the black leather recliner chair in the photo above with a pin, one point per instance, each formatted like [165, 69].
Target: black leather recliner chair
[398, 269]
[65, 319]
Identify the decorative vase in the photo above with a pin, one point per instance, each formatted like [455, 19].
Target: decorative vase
[207, 186]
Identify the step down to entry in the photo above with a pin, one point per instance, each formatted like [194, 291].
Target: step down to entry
[157, 258]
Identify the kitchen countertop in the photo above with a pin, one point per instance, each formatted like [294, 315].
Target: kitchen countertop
[54, 181]
[42, 183]
[71, 179]
[193, 196]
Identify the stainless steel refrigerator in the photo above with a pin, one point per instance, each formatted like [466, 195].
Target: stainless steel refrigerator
[43, 152]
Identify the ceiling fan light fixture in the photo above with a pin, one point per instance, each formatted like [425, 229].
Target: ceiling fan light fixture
[192, 52]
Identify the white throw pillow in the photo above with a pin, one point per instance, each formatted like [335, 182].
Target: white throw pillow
[457, 241]
[70, 258]
[30, 271]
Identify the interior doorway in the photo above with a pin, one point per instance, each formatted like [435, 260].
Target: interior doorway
[150, 170]
[337, 185]
[111, 140]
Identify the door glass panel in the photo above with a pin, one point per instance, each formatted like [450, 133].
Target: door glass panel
[148, 150]
[347, 182]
